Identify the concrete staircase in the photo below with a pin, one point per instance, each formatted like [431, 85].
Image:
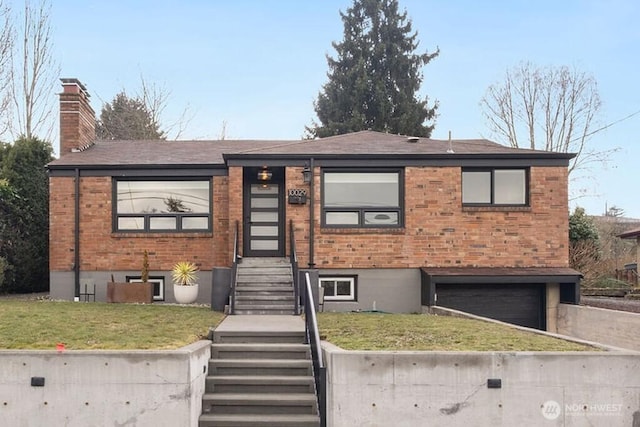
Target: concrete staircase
[264, 286]
[260, 374]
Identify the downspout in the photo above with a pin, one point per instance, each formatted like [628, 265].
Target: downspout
[76, 237]
[312, 199]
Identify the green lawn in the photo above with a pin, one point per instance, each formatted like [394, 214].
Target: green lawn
[82, 326]
[41, 324]
[373, 331]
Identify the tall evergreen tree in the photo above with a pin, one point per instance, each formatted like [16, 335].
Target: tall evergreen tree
[127, 118]
[24, 219]
[374, 80]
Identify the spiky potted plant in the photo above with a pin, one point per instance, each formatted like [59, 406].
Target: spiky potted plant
[185, 286]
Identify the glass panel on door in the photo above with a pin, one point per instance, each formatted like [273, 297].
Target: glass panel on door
[264, 216]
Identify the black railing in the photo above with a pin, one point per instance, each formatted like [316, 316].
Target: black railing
[293, 257]
[313, 338]
[234, 271]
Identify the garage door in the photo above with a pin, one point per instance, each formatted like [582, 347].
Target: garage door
[520, 304]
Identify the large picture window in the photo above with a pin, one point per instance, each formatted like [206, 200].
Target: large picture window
[362, 199]
[152, 206]
[500, 187]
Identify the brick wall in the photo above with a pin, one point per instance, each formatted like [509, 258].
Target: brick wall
[61, 223]
[299, 214]
[102, 250]
[440, 232]
[235, 206]
[77, 118]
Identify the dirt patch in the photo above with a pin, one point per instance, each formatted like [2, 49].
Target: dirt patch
[26, 297]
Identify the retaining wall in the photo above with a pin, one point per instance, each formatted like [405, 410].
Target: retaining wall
[612, 327]
[451, 388]
[103, 388]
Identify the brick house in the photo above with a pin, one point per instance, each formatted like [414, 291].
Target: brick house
[390, 222]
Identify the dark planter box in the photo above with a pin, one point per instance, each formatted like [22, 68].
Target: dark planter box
[130, 292]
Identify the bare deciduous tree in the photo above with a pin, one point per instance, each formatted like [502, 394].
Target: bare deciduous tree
[34, 73]
[551, 109]
[155, 98]
[6, 48]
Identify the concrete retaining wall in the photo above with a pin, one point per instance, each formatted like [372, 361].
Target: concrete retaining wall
[451, 388]
[612, 327]
[103, 388]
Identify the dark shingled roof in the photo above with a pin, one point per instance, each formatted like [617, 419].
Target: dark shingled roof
[210, 153]
[500, 271]
[631, 234]
[501, 275]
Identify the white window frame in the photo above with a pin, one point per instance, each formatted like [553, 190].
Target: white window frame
[153, 280]
[335, 279]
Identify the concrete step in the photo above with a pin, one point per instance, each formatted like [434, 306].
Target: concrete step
[262, 278]
[276, 290]
[265, 305]
[259, 403]
[264, 286]
[259, 384]
[264, 270]
[297, 337]
[274, 420]
[265, 262]
[260, 351]
[264, 311]
[265, 299]
[254, 367]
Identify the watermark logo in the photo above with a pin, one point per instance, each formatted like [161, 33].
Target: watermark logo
[551, 409]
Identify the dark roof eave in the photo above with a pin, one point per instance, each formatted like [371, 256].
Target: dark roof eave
[633, 234]
[426, 156]
[502, 275]
[135, 166]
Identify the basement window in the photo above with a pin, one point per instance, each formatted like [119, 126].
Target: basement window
[340, 288]
[162, 205]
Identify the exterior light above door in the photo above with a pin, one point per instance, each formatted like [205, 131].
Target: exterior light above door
[306, 174]
[265, 174]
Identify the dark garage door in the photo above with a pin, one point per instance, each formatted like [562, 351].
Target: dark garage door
[520, 304]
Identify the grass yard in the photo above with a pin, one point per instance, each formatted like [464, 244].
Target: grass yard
[374, 331]
[101, 326]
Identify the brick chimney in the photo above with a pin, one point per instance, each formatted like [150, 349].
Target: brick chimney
[77, 118]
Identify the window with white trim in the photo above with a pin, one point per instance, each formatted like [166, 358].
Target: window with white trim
[495, 187]
[162, 205]
[362, 198]
[341, 288]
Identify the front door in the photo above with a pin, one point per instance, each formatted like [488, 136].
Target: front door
[264, 214]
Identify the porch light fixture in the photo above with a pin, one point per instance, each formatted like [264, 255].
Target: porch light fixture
[265, 174]
[306, 174]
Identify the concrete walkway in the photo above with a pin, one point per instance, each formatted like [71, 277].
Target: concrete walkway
[261, 323]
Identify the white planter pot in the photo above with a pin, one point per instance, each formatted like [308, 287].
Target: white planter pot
[185, 294]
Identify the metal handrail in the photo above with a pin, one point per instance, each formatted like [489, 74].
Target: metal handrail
[294, 267]
[234, 271]
[313, 338]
